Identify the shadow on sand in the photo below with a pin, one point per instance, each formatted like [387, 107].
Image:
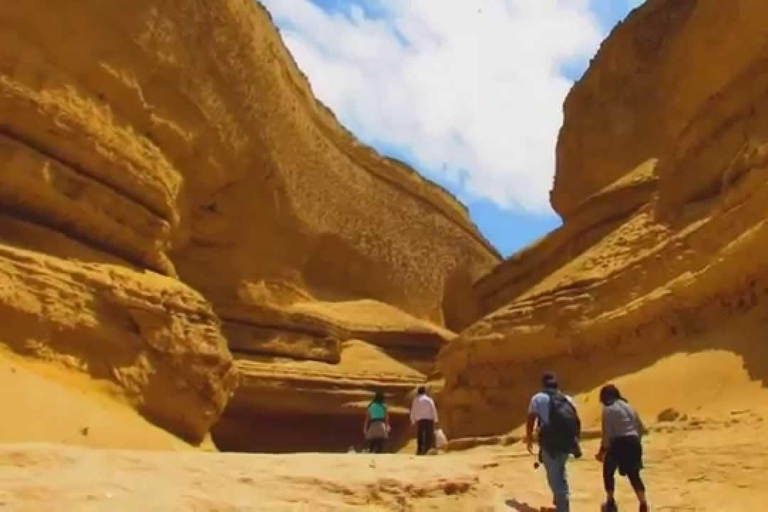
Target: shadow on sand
[522, 507]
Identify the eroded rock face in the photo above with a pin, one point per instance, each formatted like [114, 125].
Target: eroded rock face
[155, 337]
[177, 145]
[662, 68]
[662, 180]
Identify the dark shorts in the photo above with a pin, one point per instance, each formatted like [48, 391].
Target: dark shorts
[626, 453]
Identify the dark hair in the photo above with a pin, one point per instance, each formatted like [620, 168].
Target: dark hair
[378, 397]
[422, 390]
[609, 394]
[549, 381]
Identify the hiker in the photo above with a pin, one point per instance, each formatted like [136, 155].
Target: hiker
[424, 416]
[621, 447]
[376, 427]
[559, 430]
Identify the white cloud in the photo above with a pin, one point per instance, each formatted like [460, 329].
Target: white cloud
[472, 90]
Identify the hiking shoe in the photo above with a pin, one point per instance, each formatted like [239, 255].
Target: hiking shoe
[610, 506]
[643, 507]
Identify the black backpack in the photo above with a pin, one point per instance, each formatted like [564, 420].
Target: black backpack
[562, 433]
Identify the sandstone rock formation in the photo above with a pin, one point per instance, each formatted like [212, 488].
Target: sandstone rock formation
[154, 336]
[170, 184]
[662, 181]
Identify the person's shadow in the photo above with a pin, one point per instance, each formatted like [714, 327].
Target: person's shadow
[521, 507]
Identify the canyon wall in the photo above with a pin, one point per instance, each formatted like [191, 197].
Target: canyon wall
[172, 195]
[662, 181]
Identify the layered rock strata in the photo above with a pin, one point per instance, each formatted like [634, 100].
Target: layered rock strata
[174, 151]
[618, 288]
[155, 337]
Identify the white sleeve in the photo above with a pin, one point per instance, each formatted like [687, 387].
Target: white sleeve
[532, 407]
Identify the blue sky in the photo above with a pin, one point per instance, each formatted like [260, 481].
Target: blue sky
[469, 93]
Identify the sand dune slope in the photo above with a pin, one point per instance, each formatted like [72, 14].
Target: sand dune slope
[46, 403]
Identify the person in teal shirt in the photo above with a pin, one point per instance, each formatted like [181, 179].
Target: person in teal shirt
[376, 427]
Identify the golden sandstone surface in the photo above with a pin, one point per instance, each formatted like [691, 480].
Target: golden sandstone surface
[178, 215]
[662, 182]
[184, 224]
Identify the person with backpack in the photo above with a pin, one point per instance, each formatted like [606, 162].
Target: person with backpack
[424, 416]
[376, 427]
[559, 429]
[621, 447]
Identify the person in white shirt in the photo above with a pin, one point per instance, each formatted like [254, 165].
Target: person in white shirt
[554, 452]
[424, 416]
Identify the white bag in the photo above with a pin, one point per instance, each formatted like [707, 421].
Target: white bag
[440, 440]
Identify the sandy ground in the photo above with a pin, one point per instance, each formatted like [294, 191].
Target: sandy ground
[45, 403]
[60, 433]
[713, 465]
[714, 457]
